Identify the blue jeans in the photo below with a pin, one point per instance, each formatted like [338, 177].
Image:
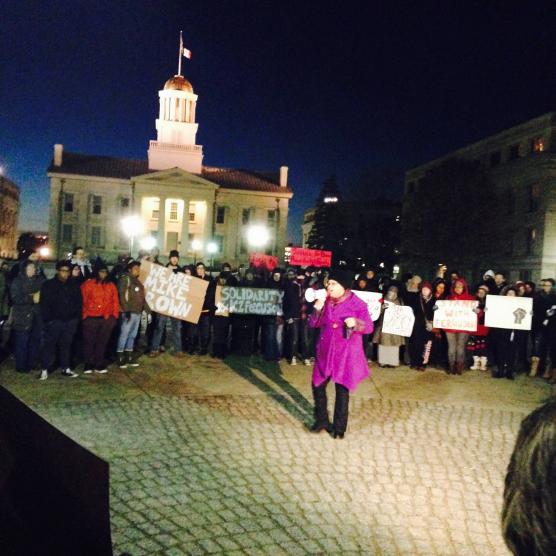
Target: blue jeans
[176, 332]
[128, 331]
[27, 346]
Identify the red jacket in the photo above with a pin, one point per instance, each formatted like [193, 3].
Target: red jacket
[100, 299]
[463, 296]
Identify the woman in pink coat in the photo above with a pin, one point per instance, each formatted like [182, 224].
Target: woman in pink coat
[343, 319]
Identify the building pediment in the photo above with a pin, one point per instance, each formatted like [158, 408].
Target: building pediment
[175, 178]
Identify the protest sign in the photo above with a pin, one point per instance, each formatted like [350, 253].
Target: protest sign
[373, 301]
[456, 314]
[260, 260]
[248, 301]
[502, 311]
[176, 295]
[308, 257]
[398, 319]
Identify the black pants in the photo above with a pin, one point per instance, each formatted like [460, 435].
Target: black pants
[340, 407]
[199, 332]
[58, 335]
[96, 334]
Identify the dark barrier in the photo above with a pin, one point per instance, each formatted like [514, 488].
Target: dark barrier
[54, 494]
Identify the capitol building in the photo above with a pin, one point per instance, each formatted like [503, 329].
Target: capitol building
[176, 200]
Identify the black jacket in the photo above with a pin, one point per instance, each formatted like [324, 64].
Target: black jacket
[61, 300]
[291, 302]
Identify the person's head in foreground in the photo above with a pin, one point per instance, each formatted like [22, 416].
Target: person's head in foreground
[529, 512]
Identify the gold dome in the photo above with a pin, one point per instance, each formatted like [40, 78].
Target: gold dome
[178, 83]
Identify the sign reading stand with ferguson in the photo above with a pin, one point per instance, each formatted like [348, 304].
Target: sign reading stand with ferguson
[502, 311]
[176, 295]
[456, 314]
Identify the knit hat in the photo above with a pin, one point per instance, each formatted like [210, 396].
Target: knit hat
[489, 273]
[484, 287]
[343, 277]
[174, 253]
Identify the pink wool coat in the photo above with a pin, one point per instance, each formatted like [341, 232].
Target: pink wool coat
[339, 357]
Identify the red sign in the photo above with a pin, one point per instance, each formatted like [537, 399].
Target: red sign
[259, 260]
[310, 257]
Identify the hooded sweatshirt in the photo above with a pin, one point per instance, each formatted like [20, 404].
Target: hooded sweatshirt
[463, 296]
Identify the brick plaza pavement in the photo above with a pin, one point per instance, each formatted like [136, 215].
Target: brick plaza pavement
[214, 457]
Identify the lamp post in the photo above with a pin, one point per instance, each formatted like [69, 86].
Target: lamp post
[148, 243]
[196, 245]
[212, 248]
[132, 226]
[257, 236]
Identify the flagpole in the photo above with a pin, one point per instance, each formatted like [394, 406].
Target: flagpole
[180, 52]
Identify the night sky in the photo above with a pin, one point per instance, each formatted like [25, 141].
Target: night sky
[363, 88]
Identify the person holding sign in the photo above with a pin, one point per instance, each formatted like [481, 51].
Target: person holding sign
[388, 344]
[342, 318]
[457, 339]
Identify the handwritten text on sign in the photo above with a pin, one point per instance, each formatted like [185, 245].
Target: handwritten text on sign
[398, 319]
[373, 301]
[253, 301]
[502, 311]
[456, 314]
[173, 294]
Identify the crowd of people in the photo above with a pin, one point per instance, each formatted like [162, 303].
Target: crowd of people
[90, 315]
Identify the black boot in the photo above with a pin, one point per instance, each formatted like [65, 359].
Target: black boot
[131, 361]
[122, 360]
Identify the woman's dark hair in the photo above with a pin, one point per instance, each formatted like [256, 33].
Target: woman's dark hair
[529, 511]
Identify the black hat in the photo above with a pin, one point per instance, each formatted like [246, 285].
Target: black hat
[63, 263]
[343, 277]
[174, 253]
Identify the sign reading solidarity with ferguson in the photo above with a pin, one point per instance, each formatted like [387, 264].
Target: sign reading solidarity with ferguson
[176, 295]
[254, 301]
[398, 319]
[502, 311]
[456, 314]
[308, 257]
[373, 301]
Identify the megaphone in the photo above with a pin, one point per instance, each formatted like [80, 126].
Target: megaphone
[312, 295]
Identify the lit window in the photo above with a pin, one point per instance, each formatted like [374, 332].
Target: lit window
[155, 209]
[537, 145]
[174, 211]
[331, 199]
[191, 212]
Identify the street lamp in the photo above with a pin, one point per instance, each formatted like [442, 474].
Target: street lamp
[257, 236]
[132, 226]
[44, 252]
[196, 245]
[148, 243]
[212, 248]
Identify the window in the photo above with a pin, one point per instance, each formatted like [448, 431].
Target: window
[245, 213]
[171, 240]
[155, 209]
[219, 240]
[124, 205]
[271, 217]
[537, 145]
[531, 240]
[495, 159]
[68, 202]
[511, 201]
[220, 215]
[534, 194]
[67, 233]
[514, 152]
[411, 187]
[173, 211]
[243, 246]
[96, 235]
[97, 204]
[191, 212]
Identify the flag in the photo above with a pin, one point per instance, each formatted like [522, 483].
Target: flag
[186, 53]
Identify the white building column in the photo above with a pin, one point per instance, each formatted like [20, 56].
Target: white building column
[184, 234]
[162, 225]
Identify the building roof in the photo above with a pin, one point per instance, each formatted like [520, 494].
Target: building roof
[178, 83]
[125, 168]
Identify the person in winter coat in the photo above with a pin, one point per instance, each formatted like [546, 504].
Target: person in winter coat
[221, 321]
[478, 341]
[457, 339]
[131, 295]
[372, 283]
[198, 335]
[244, 326]
[101, 310]
[488, 281]
[542, 302]
[271, 324]
[342, 320]
[61, 305]
[504, 345]
[439, 347]
[291, 305]
[388, 344]
[419, 346]
[80, 262]
[26, 318]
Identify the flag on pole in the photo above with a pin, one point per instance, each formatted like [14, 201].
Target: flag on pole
[186, 53]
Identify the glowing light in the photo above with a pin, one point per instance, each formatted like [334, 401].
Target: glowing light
[148, 243]
[212, 247]
[132, 225]
[44, 252]
[330, 199]
[196, 245]
[257, 236]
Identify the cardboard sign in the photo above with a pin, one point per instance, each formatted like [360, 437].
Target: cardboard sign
[260, 260]
[398, 319]
[502, 311]
[310, 257]
[248, 301]
[456, 315]
[175, 295]
[373, 301]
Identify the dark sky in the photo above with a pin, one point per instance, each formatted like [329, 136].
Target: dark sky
[349, 88]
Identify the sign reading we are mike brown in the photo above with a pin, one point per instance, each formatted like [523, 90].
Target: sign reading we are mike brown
[172, 294]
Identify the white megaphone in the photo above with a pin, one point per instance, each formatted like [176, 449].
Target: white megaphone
[312, 295]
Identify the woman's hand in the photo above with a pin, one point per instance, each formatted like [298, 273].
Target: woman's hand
[350, 322]
[319, 304]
